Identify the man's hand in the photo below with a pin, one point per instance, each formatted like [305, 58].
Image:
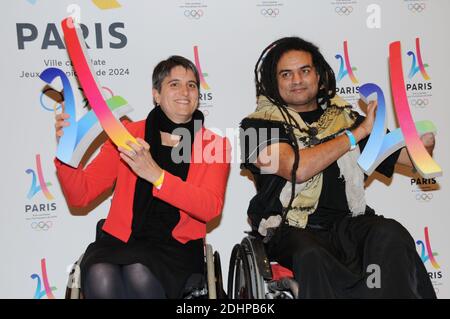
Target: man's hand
[60, 122]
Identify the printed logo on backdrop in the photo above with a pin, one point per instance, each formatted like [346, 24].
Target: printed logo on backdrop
[50, 99]
[193, 10]
[48, 36]
[346, 79]
[206, 96]
[106, 4]
[40, 211]
[97, 35]
[429, 258]
[419, 85]
[416, 6]
[101, 4]
[423, 190]
[43, 287]
[344, 8]
[269, 9]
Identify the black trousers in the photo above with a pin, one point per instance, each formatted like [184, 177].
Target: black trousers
[368, 256]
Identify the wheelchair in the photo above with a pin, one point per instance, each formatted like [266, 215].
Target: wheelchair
[252, 276]
[208, 285]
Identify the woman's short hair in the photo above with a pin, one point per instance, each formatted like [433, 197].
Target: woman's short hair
[163, 69]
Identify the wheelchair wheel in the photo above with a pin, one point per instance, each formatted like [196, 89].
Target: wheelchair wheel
[244, 279]
[258, 263]
[249, 268]
[239, 281]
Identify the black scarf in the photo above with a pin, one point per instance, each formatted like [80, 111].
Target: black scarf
[156, 122]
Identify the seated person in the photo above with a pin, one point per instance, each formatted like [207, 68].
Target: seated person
[322, 229]
[152, 239]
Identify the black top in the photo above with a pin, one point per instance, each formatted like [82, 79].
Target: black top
[161, 218]
[151, 242]
[332, 201]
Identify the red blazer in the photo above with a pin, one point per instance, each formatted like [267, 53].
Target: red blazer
[199, 198]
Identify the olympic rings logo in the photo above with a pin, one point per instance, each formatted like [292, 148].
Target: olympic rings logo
[270, 12]
[344, 10]
[57, 97]
[419, 103]
[416, 7]
[424, 197]
[42, 225]
[193, 14]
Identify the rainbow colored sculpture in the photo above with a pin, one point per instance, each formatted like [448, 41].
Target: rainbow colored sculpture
[380, 145]
[80, 134]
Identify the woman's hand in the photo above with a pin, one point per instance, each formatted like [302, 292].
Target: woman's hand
[141, 161]
[60, 122]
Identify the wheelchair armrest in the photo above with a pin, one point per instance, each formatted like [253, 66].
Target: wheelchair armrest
[98, 228]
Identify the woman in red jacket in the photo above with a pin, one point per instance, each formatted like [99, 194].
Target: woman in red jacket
[166, 189]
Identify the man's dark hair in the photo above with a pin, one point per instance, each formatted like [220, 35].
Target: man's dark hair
[163, 69]
[266, 70]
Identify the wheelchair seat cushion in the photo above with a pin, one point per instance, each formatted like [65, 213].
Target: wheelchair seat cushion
[279, 272]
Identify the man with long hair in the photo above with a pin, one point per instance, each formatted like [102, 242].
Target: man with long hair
[310, 206]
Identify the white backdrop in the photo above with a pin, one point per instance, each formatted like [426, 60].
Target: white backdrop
[42, 237]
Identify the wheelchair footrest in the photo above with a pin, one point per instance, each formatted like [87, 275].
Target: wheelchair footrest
[284, 284]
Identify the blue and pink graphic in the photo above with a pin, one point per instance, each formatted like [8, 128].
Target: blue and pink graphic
[202, 75]
[426, 253]
[80, 134]
[48, 290]
[38, 183]
[380, 145]
[345, 67]
[417, 63]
